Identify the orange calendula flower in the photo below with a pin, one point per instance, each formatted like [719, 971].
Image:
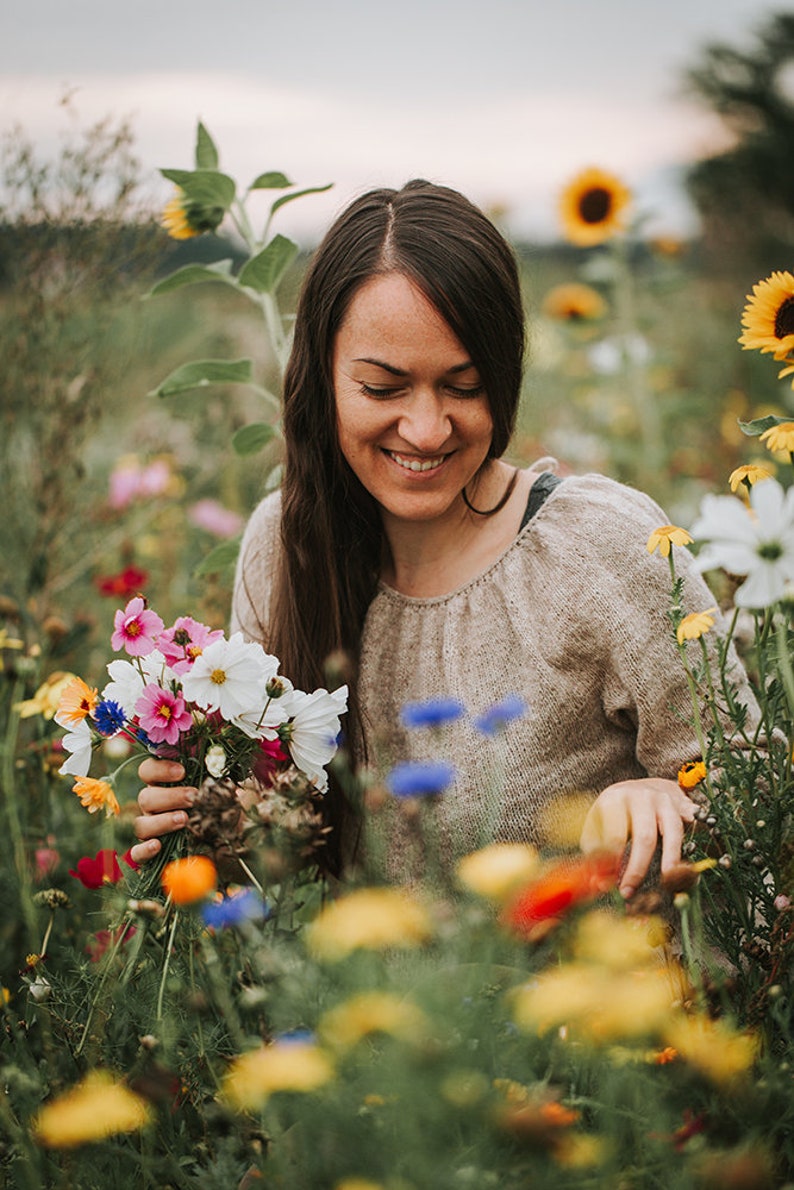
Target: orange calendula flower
[190, 879]
[693, 626]
[563, 885]
[96, 795]
[76, 703]
[748, 474]
[779, 437]
[768, 317]
[666, 536]
[593, 207]
[574, 302]
[691, 774]
[95, 1108]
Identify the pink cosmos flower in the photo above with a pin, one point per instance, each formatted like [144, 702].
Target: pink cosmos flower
[130, 481]
[212, 516]
[136, 628]
[163, 715]
[185, 641]
[47, 860]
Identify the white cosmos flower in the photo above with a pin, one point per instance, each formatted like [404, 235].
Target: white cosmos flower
[758, 541]
[314, 730]
[215, 761]
[78, 743]
[230, 676]
[127, 684]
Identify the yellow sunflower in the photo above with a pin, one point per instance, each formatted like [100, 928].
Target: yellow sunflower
[183, 219]
[593, 207]
[573, 303]
[768, 317]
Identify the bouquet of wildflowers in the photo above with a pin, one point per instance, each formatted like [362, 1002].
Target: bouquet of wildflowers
[216, 705]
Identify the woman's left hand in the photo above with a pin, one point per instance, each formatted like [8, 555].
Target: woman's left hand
[644, 811]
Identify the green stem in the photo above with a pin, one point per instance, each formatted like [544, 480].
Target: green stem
[14, 822]
[169, 946]
[784, 658]
[109, 959]
[645, 407]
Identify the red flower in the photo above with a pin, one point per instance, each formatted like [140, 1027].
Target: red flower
[128, 582]
[267, 761]
[568, 883]
[102, 869]
[103, 940]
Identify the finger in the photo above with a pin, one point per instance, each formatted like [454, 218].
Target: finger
[606, 827]
[687, 808]
[155, 771]
[151, 826]
[157, 799]
[671, 828]
[142, 852]
[644, 837]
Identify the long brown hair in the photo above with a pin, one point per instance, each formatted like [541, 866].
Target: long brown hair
[330, 525]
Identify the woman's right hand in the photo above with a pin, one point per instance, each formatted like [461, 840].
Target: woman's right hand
[163, 805]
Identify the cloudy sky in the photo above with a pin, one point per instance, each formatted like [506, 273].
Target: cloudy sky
[505, 99]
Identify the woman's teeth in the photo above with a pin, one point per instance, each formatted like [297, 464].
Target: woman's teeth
[417, 464]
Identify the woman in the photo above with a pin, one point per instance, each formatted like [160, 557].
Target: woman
[403, 540]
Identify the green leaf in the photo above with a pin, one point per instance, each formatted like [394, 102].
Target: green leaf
[206, 152]
[208, 187]
[760, 424]
[251, 438]
[191, 274]
[201, 373]
[271, 181]
[264, 271]
[285, 198]
[218, 559]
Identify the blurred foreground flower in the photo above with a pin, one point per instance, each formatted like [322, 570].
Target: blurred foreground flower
[282, 1066]
[495, 719]
[498, 870]
[574, 302]
[190, 879]
[712, 1047]
[371, 919]
[593, 207]
[95, 1108]
[372, 1012]
[420, 778]
[433, 712]
[559, 888]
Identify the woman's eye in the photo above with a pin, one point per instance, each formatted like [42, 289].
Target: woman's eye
[370, 390]
[475, 390]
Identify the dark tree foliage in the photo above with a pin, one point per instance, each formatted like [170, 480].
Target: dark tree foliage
[746, 194]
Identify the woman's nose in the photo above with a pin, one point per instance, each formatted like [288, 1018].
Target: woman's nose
[425, 424]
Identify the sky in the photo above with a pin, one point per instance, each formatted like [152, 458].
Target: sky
[503, 99]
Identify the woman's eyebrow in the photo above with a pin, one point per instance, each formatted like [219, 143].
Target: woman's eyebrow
[454, 370]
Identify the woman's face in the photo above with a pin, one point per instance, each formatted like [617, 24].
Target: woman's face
[412, 416]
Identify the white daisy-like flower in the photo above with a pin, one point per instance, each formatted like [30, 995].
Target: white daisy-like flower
[757, 541]
[230, 676]
[215, 761]
[314, 731]
[259, 725]
[78, 743]
[128, 680]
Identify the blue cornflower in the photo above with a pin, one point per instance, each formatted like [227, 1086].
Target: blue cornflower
[497, 717]
[420, 778]
[243, 906]
[109, 717]
[296, 1037]
[433, 712]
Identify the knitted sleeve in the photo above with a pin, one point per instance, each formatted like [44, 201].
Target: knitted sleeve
[256, 567]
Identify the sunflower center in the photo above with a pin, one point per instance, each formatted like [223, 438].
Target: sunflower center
[784, 319]
[770, 551]
[595, 204]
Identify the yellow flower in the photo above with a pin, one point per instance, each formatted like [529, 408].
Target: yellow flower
[691, 774]
[768, 317]
[573, 303]
[282, 1066]
[592, 207]
[712, 1047]
[184, 219]
[618, 943]
[372, 1012]
[77, 702]
[780, 437]
[190, 879]
[748, 474]
[581, 1150]
[96, 795]
[93, 1109]
[666, 536]
[370, 918]
[358, 1184]
[693, 626]
[47, 698]
[497, 870]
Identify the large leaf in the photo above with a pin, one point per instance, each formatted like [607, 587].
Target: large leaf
[760, 424]
[264, 271]
[206, 152]
[219, 559]
[201, 373]
[191, 274]
[250, 439]
[285, 198]
[206, 186]
[271, 181]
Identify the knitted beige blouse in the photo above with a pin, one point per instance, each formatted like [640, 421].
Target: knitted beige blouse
[572, 617]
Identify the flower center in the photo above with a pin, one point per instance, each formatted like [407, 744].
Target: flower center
[193, 651]
[218, 676]
[133, 628]
[770, 551]
[594, 205]
[784, 319]
[164, 711]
